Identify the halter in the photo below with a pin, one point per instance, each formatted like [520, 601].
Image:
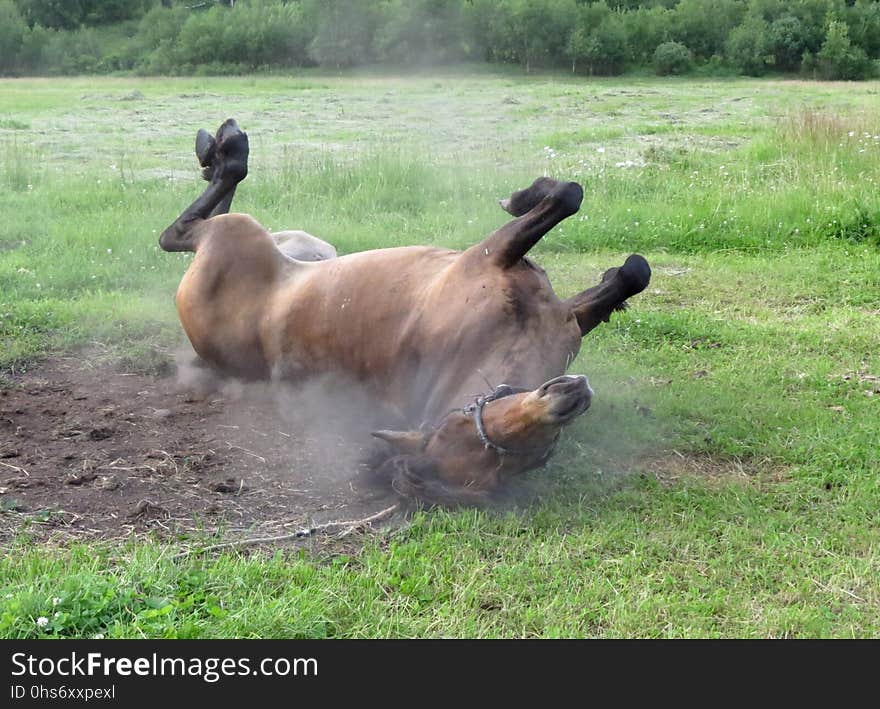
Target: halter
[475, 411]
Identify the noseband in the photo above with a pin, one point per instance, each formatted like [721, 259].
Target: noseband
[475, 411]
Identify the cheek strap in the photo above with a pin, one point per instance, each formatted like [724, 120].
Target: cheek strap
[475, 411]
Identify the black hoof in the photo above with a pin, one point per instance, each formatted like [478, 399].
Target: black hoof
[569, 196]
[636, 274]
[205, 148]
[232, 149]
[523, 201]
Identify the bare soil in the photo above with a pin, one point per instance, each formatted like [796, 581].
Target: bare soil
[88, 451]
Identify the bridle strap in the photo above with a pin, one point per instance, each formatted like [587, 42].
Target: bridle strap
[475, 411]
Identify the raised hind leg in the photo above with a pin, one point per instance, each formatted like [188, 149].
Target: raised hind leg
[228, 167]
[595, 305]
[206, 152]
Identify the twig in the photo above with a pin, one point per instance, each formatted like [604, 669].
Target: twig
[299, 534]
[246, 451]
[15, 467]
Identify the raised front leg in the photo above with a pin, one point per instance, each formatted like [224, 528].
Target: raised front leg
[525, 200]
[546, 203]
[228, 157]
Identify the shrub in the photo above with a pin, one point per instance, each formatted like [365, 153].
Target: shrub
[646, 29]
[77, 52]
[672, 58]
[748, 47]
[248, 36]
[787, 42]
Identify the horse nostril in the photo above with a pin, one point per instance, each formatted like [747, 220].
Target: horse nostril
[565, 383]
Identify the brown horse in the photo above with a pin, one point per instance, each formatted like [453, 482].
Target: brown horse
[422, 328]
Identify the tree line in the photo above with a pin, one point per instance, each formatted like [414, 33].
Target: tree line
[829, 39]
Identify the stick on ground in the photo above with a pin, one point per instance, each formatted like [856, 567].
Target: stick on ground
[347, 526]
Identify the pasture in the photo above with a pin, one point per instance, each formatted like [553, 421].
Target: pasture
[726, 481]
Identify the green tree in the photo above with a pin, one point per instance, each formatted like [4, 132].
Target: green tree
[31, 57]
[55, 14]
[541, 29]
[748, 47]
[423, 31]
[344, 32]
[704, 25]
[787, 42]
[597, 44]
[12, 33]
[838, 58]
[646, 29]
[102, 12]
[863, 20]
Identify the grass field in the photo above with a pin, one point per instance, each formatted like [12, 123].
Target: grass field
[726, 481]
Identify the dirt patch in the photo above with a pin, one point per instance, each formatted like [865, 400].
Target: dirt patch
[87, 451]
[673, 467]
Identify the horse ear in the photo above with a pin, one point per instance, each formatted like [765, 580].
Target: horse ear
[404, 441]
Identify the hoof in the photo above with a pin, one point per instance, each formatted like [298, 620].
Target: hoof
[569, 196]
[523, 201]
[636, 274]
[231, 151]
[205, 148]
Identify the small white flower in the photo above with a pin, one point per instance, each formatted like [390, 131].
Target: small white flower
[851, 133]
[42, 621]
[600, 150]
[56, 600]
[109, 251]
[57, 614]
[98, 636]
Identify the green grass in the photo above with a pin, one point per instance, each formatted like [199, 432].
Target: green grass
[725, 482]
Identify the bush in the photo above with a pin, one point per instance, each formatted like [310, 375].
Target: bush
[787, 42]
[839, 59]
[77, 52]
[672, 58]
[249, 36]
[748, 47]
[703, 25]
[646, 29]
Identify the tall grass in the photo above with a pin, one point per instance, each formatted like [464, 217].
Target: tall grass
[21, 165]
[809, 177]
